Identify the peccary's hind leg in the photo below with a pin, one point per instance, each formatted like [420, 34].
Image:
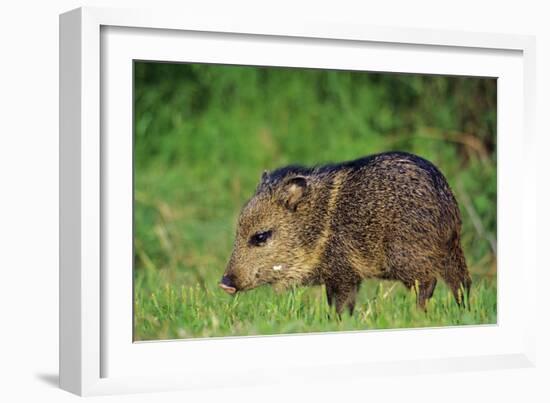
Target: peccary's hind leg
[466, 284]
[423, 289]
[425, 292]
[460, 284]
[455, 274]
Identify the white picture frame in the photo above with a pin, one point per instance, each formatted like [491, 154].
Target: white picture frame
[97, 354]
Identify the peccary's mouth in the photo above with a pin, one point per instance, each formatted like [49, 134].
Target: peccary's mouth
[228, 289]
[228, 285]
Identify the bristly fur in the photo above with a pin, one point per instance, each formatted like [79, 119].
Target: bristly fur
[389, 216]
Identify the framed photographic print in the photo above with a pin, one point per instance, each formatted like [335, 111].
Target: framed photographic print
[308, 195]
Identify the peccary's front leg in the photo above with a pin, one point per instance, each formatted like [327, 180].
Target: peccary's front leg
[342, 294]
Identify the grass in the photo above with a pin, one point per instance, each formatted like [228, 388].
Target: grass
[204, 134]
[198, 311]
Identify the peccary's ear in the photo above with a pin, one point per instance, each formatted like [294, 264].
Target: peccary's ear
[294, 190]
[264, 176]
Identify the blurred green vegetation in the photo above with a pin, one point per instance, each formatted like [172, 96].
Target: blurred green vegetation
[203, 135]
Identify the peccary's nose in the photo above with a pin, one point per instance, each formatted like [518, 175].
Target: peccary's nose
[228, 285]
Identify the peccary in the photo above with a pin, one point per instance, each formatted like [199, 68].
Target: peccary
[388, 216]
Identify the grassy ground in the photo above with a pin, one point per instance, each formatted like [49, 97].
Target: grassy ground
[203, 136]
[179, 312]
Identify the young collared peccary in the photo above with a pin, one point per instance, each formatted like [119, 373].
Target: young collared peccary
[388, 216]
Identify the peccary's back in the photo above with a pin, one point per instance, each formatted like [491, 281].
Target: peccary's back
[391, 199]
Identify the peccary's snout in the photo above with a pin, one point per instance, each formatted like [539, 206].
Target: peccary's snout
[228, 285]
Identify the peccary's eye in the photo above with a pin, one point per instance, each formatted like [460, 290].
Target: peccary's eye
[260, 238]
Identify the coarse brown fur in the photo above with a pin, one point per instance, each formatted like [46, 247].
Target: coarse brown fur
[389, 216]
